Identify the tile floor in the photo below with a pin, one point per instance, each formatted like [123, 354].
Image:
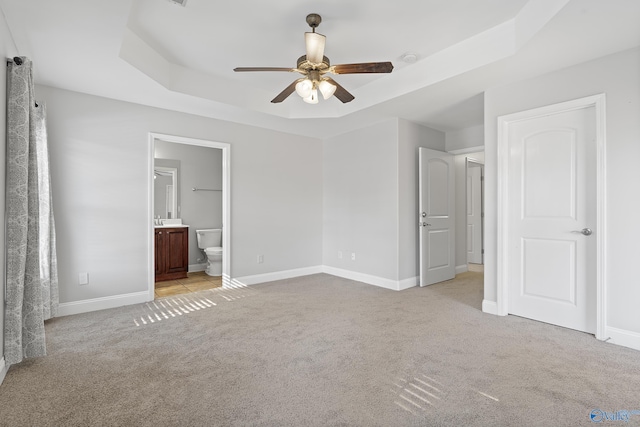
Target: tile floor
[196, 281]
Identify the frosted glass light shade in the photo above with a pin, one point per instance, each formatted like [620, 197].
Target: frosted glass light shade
[304, 87]
[315, 47]
[327, 89]
[313, 98]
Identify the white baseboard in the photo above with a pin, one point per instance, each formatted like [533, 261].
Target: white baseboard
[276, 275]
[394, 285]
[352, 275]
[95, 304]
[490, 307]
[462, 268]
[85, 306]
[3, 370]
[623, 337]
[197, 267]
[411, 282]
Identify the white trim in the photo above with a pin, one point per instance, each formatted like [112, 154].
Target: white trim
[601, 218]
[598, 102]
[490, 307]
[365, 278]
[226, 201]
[462, 268]
[396, 285]
[85, 306]
[624, 338]
[95, 304]
[475, 149]
[151, 279]
[3, 370]
[276, 275]
[411, 282]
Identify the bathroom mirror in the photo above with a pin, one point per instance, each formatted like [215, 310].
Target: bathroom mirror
[166, 188]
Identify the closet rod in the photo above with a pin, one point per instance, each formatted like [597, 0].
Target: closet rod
[203, 189]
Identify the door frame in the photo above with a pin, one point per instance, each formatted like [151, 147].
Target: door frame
[598, 102]
[226, 203]
[467, 162]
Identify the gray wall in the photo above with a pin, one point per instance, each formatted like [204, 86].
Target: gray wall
[200, 167]
[360, 200]
[463, 139]
[617, 77]
[102, 217]
[370, 198]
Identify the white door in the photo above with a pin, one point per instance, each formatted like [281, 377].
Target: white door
[436, 219]
[552, 219]
[474, 213]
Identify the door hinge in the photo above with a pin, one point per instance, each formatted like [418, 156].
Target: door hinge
[482, 252]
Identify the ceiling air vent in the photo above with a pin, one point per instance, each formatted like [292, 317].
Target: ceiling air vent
[182, 3]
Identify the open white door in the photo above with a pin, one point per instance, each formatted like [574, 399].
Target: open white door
[436, 219]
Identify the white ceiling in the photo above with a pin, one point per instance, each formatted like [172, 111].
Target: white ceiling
[156, 53]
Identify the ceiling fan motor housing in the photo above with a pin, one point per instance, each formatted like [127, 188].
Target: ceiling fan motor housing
[305, 65]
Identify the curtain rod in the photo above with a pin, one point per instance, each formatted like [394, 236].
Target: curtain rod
[16, 59]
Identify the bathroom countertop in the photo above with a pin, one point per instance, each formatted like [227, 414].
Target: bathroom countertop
[171, 226]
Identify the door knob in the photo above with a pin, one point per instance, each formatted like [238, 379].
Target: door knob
[585, 231]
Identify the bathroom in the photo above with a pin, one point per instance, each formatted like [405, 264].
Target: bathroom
[192, 167]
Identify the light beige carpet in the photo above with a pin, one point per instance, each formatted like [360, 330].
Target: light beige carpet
[319, 351]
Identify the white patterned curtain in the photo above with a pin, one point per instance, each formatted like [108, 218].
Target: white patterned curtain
[32, 276]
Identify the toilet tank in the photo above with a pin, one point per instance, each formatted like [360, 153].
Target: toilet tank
[209, 238]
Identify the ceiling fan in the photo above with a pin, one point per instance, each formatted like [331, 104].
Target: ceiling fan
[314, 66]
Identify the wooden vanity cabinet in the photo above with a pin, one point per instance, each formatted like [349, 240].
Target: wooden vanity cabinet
[171, 253]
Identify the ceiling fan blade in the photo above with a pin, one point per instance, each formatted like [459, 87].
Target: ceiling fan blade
[286, 92]
[365, 67]
[314, 43]
[341, 93]
[242, 69]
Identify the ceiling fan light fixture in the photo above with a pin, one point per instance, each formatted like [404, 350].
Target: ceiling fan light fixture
[312, 98]
[315, 47]
[304, 87]
[327, 89]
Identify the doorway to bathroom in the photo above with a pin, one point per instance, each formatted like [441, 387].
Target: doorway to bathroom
[198, 197]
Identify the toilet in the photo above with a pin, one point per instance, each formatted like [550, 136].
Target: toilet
[210, 242]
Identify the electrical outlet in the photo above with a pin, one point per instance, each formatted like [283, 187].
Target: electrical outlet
[83, 278]
[260, 259]
[353, 256]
